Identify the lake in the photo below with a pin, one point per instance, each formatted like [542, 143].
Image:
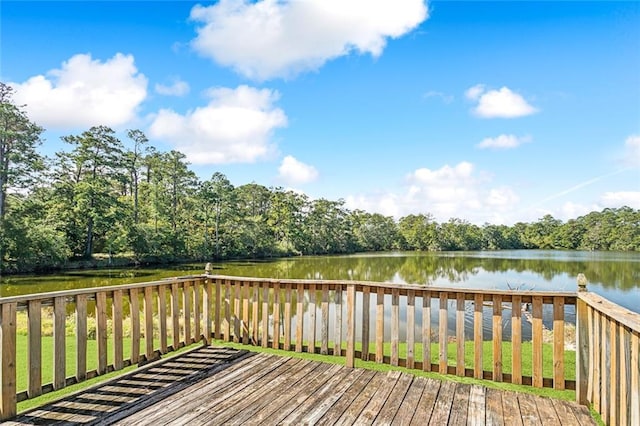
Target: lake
[614, 275]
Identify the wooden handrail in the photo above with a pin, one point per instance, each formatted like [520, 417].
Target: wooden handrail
[396, 324]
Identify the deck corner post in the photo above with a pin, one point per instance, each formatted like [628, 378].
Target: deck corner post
[351, 325]
[8, 400]
[582, 344]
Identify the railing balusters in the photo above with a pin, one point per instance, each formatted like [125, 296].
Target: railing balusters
[497, 338]
[116, 307]
[477, 336]
[59, 343]
[101, 330]
[35, 348]
[380, 325]
[366, 317]
[537, 341]
[275, 344]
[443, 338]
[324, 328]
[162, 313]
[516, 340]
[426, 330]
[134, 303]
[608, 346]
[148, 321]
[460, 334]
[411, 328]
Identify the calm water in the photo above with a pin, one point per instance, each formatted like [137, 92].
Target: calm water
[614, 275]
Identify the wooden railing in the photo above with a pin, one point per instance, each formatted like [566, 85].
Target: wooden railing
[466, 332]
[608, 362]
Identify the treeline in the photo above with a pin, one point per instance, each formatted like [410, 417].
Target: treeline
[104, 195]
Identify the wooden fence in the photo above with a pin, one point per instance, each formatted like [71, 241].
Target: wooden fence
[505, 336]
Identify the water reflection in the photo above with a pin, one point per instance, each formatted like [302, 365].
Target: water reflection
[614, 275]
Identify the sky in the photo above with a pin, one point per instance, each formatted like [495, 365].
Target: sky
[491, 112]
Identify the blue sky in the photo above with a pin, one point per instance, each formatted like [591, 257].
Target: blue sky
[487, 111]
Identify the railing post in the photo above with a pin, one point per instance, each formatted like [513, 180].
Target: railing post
[351, 325]
[582, 342]
[8, 400]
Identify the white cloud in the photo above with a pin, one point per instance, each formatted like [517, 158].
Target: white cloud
[450, 191]
[504, 142]
[632, 145]
[84, 92]
[271, 38]
[177, 88]
[502, 103]
[294, 172]
[621, 198]
[236, 126]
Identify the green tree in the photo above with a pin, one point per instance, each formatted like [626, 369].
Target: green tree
[19, 161]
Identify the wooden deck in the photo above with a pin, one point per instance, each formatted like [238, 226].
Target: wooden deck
[213, 385]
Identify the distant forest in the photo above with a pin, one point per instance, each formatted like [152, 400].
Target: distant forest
[104, 196]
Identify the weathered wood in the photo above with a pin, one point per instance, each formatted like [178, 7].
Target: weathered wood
[604, 369]
[276, 316]
[426, 331]
[528, 409]
[477, 406]
[635, 377]
[516, 340]
[511, 409]
[558, 343]
[366, 313]
[148, 321]
[443, 337]
[497, 338]
[287, 317]
[237, 314]
[377, 400]
[355, 389]
[227, 310]
[409, 403]
[34, 349]
[101, 331]
[460, 334]
[595, 356]
[351, 325]
[337, 348]
[380, 326]
[255, 313]
[616, 312]
[395, 326]
[442, 406]
[494, 415]
[8, 403]
[311, 343]
[478, 337]
[117, 318]
[537, 341]
[197, 311]
[460, 405]
[175, 316]
[134, 303]
[624, 407]
[427, 403]
[299, 317]
[186, 309]
[217, 310]
[245, 312]
[582, 355]
[59, 345]
[324, 327]
[265, 315]
[162, 317]
[613, 373]
[207, 303]
[411, 328]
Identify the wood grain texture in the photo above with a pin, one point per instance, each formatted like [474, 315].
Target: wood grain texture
[34, 372]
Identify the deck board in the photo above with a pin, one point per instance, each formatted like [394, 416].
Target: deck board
[226, 386]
